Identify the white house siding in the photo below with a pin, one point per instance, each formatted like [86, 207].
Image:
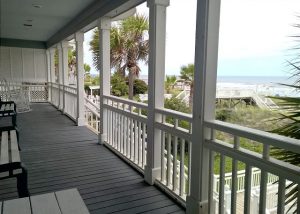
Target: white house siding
[23, 64]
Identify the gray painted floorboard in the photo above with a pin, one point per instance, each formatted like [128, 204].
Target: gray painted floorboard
[60, 155]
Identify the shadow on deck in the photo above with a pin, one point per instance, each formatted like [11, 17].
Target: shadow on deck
[60, 155]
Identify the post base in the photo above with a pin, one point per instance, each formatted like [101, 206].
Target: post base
[151, 174]
[194, 206]
[102, 138]
[81, 122]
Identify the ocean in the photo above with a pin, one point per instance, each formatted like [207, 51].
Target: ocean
[271, 80]
[263, 85]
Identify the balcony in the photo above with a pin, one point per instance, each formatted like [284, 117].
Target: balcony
[60, 155]
[144, 162]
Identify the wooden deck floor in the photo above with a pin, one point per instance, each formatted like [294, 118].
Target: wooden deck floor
[60, 155]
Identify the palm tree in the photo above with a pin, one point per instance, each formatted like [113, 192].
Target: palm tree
[290, 112]
[169, 83]
[187, 74]
[129, 46]
[87, 69]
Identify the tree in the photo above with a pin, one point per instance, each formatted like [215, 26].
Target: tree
[290, 112]
[129, 46]
[169, 83]
[187, 74]
[118, 85]
[87, 69]
[139, 87]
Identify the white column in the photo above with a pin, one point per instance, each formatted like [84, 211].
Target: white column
[156, 75]
[60, 74]
[48, 74]
[52, 71]
[65, 70]
[206, 60]
[79, 38]
[104, 44]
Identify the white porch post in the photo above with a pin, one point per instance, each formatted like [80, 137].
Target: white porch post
[65, 69]
[60, 74]
[48, 74]
[104, 44]
[157, 37]
[79, 38]
[52, 71]
[206, 60]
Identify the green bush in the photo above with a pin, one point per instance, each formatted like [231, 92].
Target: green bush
[118, 85]
[139, 87]
[177, 105]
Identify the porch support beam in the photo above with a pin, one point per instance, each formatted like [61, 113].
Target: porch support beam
[79, 38]
[65, 69]
[52, 71]
[157, 42]
[60, 74]
[48, 74]
[206, 60]
[104, 25]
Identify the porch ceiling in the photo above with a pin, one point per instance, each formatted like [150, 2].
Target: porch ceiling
[46, 21]
[55, 20]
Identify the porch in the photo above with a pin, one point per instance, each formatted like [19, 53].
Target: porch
[60, 155]
[172, 150]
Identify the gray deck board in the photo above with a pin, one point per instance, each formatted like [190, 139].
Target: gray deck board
[59, 155]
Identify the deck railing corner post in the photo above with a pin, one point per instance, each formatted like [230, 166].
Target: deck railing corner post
[104, 25]
[156, 74]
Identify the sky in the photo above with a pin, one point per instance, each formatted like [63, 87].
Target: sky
[255, 36]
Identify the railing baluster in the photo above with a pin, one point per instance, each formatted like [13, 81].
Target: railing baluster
[163, 163]
[281, 196]
[132, 139]
[143, 146]
[211, 176]
[182, 170]
[169, 160]
[113, 129]
[128, 138]
[222, 184]
[174, 181]
[135, 141]
[139, 144]
[123, 134]
[263, 181]
[119, 132]
[234, 177]
[175, 143]
[211, 208]
[247, 196]
[298, 198]
[189, 167]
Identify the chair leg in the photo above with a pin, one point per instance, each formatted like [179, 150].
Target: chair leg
[18, 138]
[22, 183]
[14, 120]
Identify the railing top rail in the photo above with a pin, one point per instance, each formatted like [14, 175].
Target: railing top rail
[279, 141]
[71, 87]
[128, 102]
[91, 103]
[175, 114]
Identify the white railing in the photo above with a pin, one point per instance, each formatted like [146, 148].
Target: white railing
[175, 150]
[55, 90]
[265, 162]
[70, 93]
[127, 129]
[92, 115]
[127, 136]
[255, 180]
[70, 101]
[36, 92]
